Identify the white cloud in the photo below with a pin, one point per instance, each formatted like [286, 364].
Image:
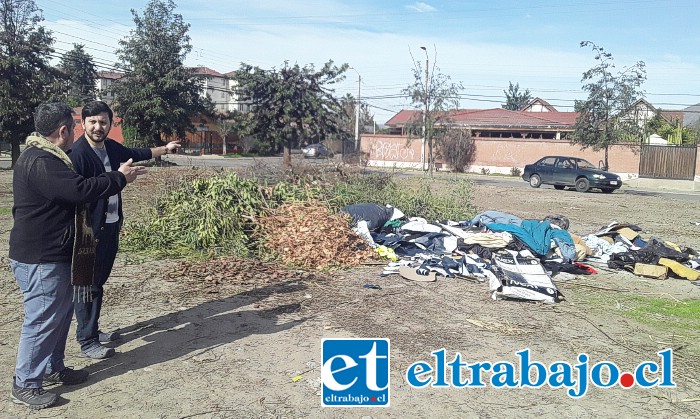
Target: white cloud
[421, 7]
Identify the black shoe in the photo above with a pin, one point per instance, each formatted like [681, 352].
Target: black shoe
[108, 336]
[34, 398]
[97, 351]
[67, 376]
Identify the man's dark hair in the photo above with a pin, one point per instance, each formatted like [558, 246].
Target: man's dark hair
[49, 117]
[96, 107]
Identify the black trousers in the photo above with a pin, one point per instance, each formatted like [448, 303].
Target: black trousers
[87, 313]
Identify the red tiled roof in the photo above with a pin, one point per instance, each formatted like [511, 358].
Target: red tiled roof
[206, 71]
[230, 73]
[110, 75]
[494, 117]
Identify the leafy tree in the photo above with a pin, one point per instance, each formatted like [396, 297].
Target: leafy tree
[26, 77]
[604, 117]
[81, 76]
[515, 100]
[225, 127]
[456, 147]
[291, 104]
[434, 95]
[158, 96]
[674, 132]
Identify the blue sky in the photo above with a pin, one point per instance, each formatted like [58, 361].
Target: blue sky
[482, 44]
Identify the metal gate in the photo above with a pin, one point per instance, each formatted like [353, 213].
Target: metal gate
[668, 161]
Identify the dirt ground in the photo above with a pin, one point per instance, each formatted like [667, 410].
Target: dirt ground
[231, 350]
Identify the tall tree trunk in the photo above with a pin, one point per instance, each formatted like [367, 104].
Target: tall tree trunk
[606, 158]
[287, 159]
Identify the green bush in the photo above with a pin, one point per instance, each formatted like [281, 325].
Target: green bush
[208, 216]
[515, 171]
[432, 199]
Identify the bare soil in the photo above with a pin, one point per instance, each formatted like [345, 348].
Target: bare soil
[232, 348]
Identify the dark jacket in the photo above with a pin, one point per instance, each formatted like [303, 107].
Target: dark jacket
[88, 164]
[46, 192]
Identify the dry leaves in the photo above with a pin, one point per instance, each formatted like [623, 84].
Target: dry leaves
[233, 270]
[309, 234]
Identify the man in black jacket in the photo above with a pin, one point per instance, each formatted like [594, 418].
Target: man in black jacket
[46, 192]
[94, 154]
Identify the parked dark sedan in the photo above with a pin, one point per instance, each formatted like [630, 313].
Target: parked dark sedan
[317, 150]
[563, 171]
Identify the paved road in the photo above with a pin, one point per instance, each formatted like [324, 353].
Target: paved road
[217, 161]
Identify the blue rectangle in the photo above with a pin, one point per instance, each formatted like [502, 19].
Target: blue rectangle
[355, 372]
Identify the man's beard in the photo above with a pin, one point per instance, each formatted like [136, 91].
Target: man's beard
[103, 136]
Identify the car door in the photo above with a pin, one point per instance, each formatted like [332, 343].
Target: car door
[564, 172]
[545, 169]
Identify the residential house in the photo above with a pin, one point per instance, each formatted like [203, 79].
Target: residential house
[105, 79]
[537, 120]
[234, 103]
[642, 111]
[215, 86]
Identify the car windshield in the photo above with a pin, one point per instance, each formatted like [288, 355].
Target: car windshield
[583, 164]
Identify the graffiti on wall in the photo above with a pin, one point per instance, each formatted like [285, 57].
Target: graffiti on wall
[388, 150]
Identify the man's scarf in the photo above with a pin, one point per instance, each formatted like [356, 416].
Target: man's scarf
[84, 245]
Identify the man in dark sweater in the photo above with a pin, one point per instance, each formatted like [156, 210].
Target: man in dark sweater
[46, 192]
[94, 154]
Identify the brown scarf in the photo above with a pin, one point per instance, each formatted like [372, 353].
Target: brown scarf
[84, 245]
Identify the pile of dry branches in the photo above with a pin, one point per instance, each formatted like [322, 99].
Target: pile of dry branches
[309, 234]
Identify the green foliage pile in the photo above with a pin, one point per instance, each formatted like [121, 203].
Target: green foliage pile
[208, 217]
[218, 214]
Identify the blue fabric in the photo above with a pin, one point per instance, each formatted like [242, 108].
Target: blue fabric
[489, 217]
[48, 309]
[537, 235]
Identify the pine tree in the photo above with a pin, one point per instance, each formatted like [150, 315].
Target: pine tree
[291, 104]
[81, 75]
[159, 96]
[515, 100]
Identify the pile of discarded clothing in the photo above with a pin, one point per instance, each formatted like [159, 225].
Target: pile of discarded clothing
[517, 257]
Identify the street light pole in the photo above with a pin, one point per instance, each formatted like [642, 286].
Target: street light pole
[357, 110]
[425, 113]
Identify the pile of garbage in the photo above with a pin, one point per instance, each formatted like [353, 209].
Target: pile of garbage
[517, 258]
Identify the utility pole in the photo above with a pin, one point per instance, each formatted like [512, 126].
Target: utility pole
[357, 114]
[425, 113]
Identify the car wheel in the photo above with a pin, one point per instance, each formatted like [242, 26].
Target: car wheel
[582, 184]
[535, 181]
[559, 187]
[607, 190]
